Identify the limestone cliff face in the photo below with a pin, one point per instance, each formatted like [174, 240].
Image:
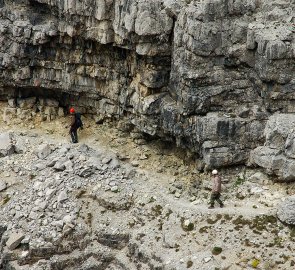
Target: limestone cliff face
[207, 73]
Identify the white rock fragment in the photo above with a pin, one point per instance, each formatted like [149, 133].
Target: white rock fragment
[43, 151]
[62, 196]
[114, 188]
[2, 185]
[14, 240]
[207, 259]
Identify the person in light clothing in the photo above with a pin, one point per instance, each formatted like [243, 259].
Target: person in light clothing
[216, 189]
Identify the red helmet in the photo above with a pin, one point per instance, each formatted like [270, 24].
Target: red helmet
[72, 110]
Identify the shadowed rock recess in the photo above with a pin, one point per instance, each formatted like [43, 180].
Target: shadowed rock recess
[206, 74]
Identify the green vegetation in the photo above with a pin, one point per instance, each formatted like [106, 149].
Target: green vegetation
[260, 223]
[157, 210]
[213, 221]
[255, 263]
[80, 193]
[204, 229]
[187, 228]
[5, 200]
[189, 264]
[168, 213]
[239, 181]
[216, 250]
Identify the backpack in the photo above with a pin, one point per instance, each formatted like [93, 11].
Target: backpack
[78, 120]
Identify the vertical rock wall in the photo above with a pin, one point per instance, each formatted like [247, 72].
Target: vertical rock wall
[206, 74]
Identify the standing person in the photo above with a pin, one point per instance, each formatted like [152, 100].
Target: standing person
[216, 189]
[75, 124]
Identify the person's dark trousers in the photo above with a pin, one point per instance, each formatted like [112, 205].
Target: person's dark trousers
[215, 196]
[74, 135]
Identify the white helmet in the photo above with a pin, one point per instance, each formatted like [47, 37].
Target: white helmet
[214, 172]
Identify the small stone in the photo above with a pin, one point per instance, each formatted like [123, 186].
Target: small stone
[256, 190]
[143, 157]
[57, 223]
[114, 189]
[135, 163]
[96, 187]
[43, 151]
[37, 185]
[186, 223]
[193, 198]
[14, 240]
[49, 192]
[68, 219]
[177, 195]
[24, 254]
[106, 160]
[62, 196]
[207, 259]
[2, 185]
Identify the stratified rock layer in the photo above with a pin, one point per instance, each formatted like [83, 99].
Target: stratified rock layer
[206, 74]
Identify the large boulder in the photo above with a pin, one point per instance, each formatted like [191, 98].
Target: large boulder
[14, 240]
[286, 211]
[277, 156]
[43, 151]
[6, 144]
[277, 130]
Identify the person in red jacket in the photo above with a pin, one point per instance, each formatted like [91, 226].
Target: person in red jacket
[216, 189]
[73, 127]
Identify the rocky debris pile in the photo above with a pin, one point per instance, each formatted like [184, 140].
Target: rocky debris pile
[68, 206]
[43, 209]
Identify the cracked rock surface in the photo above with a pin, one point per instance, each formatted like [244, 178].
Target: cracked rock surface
[206, 75]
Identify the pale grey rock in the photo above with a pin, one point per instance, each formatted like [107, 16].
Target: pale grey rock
[3, 185]
[11, 102]
[207, 259]
[39, 166]
[9, 114]
[50, 192]
[277, 129]
[259, 178]
[20, 146]
[290, 145]
[68, 219]
[277, 154]
[187, 224]
[14, 240]
[38, 186]
[6, 144]
[60, 112]
[86, 172]
[43, 151]
[286, 211]
[26, 103]
[62, 196]
[106, 160]
[48, 102]
[57, 223]
[114, 188]
[60, 165]
[135, 163]
[151, 20]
